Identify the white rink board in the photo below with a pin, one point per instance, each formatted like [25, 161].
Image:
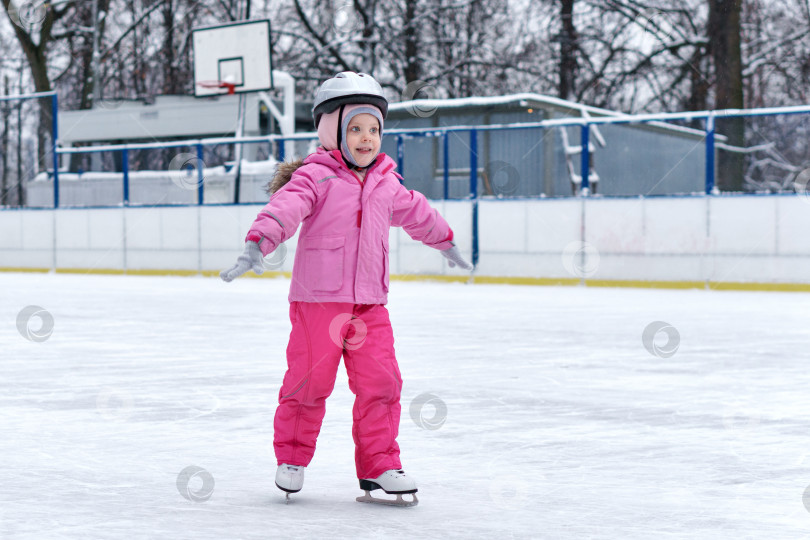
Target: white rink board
[760, 239]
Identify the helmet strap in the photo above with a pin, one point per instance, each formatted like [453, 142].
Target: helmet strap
[340, 128]
[353, 167]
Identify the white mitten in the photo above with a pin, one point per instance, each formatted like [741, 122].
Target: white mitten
[454, 258]
[251, 258]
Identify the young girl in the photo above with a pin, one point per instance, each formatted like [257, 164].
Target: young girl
[345, 196]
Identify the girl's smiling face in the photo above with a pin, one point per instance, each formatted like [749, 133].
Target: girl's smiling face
[363, 138]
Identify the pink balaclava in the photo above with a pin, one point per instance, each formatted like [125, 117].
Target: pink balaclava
[328, 130]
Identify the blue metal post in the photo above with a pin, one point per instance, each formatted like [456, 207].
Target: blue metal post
[200, 177]
[710, 153]
[446, 151]
[125, 169]
[400, 155]
[281, 145]
[585, 158]
[473, 164]
[54, 138]
[474, 193]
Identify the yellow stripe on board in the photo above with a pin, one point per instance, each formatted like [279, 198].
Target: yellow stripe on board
[781, 287]
[114, 272]
[633, 284]
[527, 280]
[34, 270]
[639, 284]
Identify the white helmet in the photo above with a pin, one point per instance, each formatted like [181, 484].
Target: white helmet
[345, 88]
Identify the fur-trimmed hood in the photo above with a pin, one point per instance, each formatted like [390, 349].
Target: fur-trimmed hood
[284, 172]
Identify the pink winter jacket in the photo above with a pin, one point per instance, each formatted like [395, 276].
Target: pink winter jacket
[342, 253]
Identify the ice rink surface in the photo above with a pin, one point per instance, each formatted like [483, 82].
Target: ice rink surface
[528, 412]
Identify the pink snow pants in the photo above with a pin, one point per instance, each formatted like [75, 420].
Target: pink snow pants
[321, 334]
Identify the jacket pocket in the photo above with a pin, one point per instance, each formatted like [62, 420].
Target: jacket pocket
[323, 262]
[385, 265]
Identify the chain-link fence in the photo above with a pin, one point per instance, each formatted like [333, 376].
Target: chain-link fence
[27, 127]
[759, 150]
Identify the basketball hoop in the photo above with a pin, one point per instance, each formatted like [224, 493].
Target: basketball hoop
[232, 58]
[219, 84]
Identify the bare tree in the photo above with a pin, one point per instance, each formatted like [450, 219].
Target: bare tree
[629, 55]
[568, 50]
[5, 117]
[724, 33]
[34, 33]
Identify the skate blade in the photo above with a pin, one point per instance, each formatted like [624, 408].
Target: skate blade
[399, 501]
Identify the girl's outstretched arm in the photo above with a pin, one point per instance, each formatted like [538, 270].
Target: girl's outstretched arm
[423, 223]
[280, 218]
[413, 213]
[276, 222]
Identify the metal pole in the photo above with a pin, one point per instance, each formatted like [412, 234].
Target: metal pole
[473, 164]
[446, 150]
[201, 178]
[710, 153]
[95, 158]
[54, 137]
[125, 169]
[585, 159]
[240, 131]
[400, 155]
[474, 193]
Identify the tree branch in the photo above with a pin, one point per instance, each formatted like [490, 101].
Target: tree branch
[324, 44]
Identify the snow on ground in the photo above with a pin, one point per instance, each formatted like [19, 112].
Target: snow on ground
[557, 420]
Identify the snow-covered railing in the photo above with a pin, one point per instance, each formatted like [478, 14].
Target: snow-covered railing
[586, 123]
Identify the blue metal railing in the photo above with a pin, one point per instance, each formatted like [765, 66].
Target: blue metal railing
[585, 124]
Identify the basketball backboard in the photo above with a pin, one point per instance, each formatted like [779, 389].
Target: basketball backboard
[232, 58]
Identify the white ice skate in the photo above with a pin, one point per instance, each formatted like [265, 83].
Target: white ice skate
[290, 478]
[393, 482]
